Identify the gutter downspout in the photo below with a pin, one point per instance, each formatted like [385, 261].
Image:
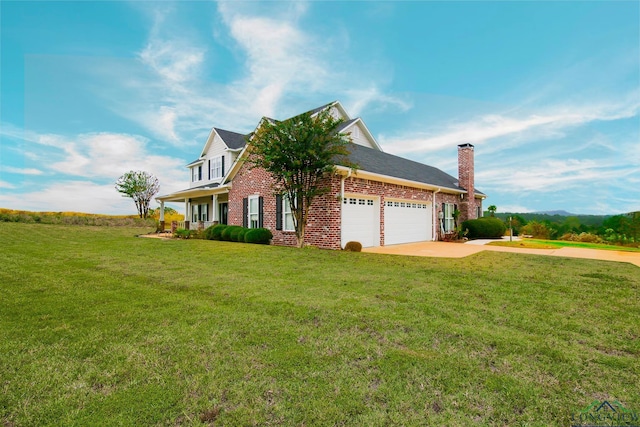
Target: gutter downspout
[342, 185]
[435, 217]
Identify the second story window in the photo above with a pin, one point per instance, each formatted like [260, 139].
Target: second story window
[216, 167]
[196, 173]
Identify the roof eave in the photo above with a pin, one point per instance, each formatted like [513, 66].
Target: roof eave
[343, 170]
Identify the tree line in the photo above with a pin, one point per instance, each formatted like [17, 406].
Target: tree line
[623, 229]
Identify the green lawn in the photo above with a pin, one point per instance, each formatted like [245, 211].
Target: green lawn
[98, 327]
[553, 244]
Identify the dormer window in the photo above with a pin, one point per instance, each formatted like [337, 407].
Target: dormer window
[216, 167]
[196, 173]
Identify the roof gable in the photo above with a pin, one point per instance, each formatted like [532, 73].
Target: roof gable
[232, 140]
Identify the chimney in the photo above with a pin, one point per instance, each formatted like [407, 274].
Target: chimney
[466, 181]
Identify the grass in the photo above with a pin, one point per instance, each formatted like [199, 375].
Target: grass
[96, 328]
[554, 244]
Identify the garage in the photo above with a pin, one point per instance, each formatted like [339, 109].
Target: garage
[360, 220]
[407, 221]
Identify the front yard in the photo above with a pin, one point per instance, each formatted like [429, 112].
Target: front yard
[98, 327]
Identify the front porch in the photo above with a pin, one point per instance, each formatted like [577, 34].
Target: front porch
[203, 206]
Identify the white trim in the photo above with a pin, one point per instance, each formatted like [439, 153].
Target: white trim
[393, 180]
[251, 213]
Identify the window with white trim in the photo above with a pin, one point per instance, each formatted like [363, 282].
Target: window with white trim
[216, 167]
[448, 221]
[200, 212]
[196, 173]
[253, 213]
[287, 215]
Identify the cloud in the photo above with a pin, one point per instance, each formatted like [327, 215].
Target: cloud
[5, 184]
[546, 174]
[21, 171]
[548, 123]
[177, 90]
[77, 196]
[173, 60]
[82, 170]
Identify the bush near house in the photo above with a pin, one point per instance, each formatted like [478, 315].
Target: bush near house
[353, 247]
[236, 233]
[226, 233]
[214, 232]
[484, 228]
[261, 236]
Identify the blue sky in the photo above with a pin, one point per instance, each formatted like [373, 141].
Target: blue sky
[548, 92]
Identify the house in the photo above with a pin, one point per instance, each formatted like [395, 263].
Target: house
[387, 200]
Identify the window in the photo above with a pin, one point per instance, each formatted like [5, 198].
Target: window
[196, 173]
[216, 167]
[287, 215]
[200, 212]
[478, 212]
[448, 221]
[253, 212]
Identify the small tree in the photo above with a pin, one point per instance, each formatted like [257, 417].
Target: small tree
[141, 187]
[299, 153]
[492, 210]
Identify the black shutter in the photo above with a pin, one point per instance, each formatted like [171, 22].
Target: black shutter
[260, 212]
[209, 169]
[278, 212]
[200, 173]
[245, 211]
[222, 167]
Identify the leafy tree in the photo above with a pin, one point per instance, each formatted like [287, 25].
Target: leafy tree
[492, 210]
[537, 230]
[299, 153]
[141, 187]
[631, 225]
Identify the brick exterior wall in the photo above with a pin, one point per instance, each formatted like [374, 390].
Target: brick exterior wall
[466, 178]
[324, 223]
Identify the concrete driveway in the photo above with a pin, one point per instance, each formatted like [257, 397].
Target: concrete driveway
[460, 250]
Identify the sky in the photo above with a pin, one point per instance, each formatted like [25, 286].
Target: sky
[547, 92]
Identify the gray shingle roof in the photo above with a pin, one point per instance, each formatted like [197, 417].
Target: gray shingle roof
[371, 160]
[317, 110]
[344, 125]
[233, 140]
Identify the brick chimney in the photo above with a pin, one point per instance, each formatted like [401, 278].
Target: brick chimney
[466, 181]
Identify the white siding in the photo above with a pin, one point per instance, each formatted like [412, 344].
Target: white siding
[359, 136]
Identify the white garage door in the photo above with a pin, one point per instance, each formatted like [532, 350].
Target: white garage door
[407, 221]
[361, 220]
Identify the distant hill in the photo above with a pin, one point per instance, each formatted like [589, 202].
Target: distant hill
[559, 213]
[557, 216]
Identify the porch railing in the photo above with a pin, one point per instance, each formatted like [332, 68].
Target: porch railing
[194, 225]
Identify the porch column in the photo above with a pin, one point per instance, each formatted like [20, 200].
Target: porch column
[161, 215]
[187, 213]
[215, 210]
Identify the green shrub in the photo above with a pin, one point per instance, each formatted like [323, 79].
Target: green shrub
[353, 247]
[214, 232]
[235, 234]
[537, 230]
[241, 234]
[181, 233]
[226, 233]
[582, 237]
[484, 228]
[258, 235]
